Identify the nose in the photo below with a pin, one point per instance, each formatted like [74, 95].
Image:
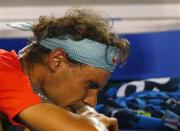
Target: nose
[91, 97]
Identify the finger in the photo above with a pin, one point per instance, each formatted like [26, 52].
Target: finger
[114, 125]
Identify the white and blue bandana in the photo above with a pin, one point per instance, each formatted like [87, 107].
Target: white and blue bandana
[85, 51]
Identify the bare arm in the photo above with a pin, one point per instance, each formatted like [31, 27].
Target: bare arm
[0, 123]
[46, 117]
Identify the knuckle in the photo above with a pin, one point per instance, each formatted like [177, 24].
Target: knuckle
[114, 120]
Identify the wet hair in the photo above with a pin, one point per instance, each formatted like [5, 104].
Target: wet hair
[79, 24]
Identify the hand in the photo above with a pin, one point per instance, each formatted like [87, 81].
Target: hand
[109, 123]
[103, 122]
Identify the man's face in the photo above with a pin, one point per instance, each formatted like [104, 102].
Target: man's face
[72, 84]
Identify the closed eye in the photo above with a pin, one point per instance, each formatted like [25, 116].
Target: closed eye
[93, 85]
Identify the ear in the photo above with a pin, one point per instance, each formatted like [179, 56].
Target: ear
[56, 58]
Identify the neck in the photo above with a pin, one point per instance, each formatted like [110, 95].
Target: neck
[32, 71]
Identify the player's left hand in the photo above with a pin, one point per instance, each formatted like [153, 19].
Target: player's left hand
[87, 111]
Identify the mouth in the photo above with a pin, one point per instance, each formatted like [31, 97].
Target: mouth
[73, 107]
[69, 108]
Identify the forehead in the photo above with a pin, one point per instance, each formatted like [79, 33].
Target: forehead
[95, 74]
[97, 70]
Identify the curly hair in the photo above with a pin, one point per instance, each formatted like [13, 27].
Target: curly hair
[79, 24]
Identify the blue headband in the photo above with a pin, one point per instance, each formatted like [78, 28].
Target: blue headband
[85, 51]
